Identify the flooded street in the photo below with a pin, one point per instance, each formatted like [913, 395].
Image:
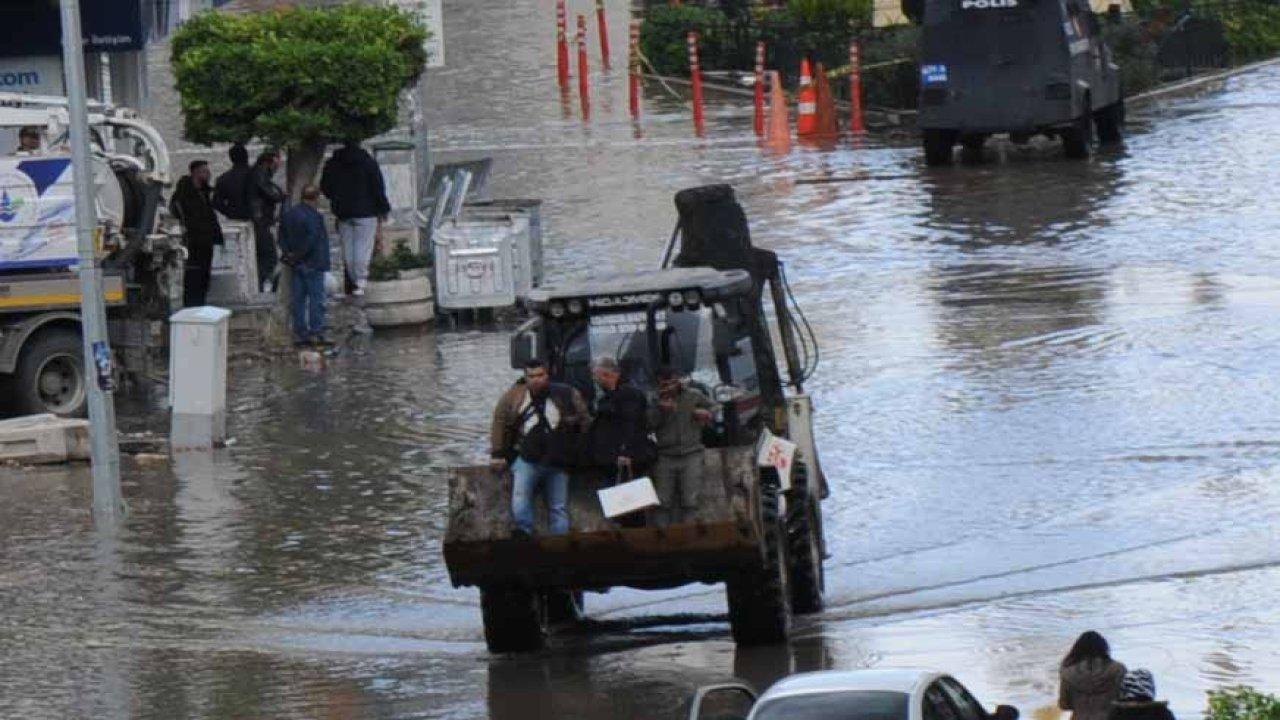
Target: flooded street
[1048, 402]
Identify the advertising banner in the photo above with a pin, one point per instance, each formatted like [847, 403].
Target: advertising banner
[37, 213]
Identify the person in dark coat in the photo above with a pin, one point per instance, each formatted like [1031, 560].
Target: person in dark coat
[618, 440]
[192, 204]
[305, 248]
[231, 190]
[357, 195]
[1090, 679]
[265, 197]
[1138, 699]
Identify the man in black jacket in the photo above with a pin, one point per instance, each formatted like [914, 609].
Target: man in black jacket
[231, 190]
[265, 197]
[357, 195]
[192, 203]
[618, 441]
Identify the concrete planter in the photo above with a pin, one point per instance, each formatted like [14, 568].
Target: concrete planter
[406, 301]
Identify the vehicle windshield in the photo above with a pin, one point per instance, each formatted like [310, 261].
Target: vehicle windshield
[685, 340]
[847, 705]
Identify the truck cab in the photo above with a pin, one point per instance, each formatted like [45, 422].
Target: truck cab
[1021, 67]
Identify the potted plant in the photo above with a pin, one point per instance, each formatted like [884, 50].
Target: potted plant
[399, 289]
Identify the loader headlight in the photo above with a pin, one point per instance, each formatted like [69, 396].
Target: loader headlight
[675, 299]
[556, 310]
[692, 297]
[576, 307]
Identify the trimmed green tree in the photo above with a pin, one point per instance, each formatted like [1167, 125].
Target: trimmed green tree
[296, 78]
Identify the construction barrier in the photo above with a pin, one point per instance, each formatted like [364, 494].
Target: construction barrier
[827, 126]
[856, 125]
[758, 123]
[604, 34]
[806, 102]
[695, 73]
[633, 81]
[562, 45]
[584, 87]
[778, 130]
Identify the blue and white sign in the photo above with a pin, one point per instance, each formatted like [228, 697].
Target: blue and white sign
[38, 75]
[933, 74]
[37, 213]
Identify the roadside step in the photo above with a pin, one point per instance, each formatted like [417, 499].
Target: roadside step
[38, 439]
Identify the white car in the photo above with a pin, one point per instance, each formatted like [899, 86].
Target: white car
[887, 694]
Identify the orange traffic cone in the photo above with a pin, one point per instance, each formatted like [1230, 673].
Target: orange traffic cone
[806, 102]
[777, 137]
[826, 115]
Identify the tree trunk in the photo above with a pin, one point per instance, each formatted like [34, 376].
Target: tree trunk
[301, 169]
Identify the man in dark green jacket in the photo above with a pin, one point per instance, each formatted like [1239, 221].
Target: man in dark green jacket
[677, 420]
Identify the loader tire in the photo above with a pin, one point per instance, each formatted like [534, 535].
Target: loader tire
[804, 535]
[760, 599]
[563, 606]
[515, 619]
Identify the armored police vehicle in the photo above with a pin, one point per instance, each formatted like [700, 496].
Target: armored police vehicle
[1021, 67]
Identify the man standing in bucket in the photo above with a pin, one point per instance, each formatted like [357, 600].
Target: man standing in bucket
[357, 195]
[537, 426]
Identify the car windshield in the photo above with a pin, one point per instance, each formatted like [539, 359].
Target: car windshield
[847, 705]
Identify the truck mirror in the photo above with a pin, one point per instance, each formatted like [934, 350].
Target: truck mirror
[526, 343]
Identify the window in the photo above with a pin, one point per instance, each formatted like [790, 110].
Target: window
[965, 704]
[848, 705]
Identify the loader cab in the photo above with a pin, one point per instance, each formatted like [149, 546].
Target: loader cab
[693, 319]
[1021, 67]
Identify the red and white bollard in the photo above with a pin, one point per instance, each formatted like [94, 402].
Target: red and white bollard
[584, 86]
[855, 90]
[695, 74]
[633, 80]
[604, 34]
[562, 45]
[759, 98]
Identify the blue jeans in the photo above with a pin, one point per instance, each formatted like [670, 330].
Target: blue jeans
[527, 477]
[308, 303]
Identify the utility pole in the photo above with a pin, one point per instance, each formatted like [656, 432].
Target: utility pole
[107, 503]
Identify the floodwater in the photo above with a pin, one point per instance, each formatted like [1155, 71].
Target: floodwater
[1047, 403]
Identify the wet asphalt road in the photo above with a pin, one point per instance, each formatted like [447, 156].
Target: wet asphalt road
[1047, 403]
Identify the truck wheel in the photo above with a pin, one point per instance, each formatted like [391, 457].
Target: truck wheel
[50, 375]
[1110, 123]
[563, 606]
[1077, 138]
[804, 534]
[514, 619]
[938, 145]
[760, 600]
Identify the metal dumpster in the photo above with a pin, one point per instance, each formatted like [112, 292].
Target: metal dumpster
[476, 260]
[529, 247]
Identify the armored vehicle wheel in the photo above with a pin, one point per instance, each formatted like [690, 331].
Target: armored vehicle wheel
[515, 618]
[1077, 138]
[760, 600]
[804, 539]
[563, 606]
[1110, 123]
[937, 146]
[50, 375]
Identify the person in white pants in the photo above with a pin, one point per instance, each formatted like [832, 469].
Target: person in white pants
[358, 237]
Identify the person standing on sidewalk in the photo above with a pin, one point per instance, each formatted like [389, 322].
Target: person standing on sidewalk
[357, 195]
[536, 428]
[264, 197]
[231, 190]
[192, 203]
[304, 245]
[677, 419]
